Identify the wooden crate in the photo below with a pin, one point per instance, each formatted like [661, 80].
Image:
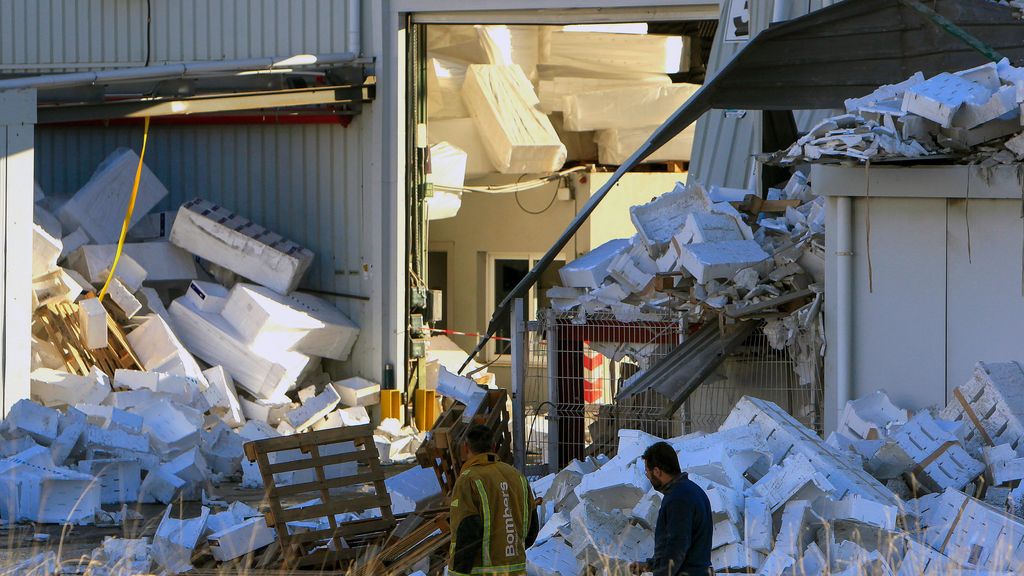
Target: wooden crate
[348, 539]
[440, 450]
[59, 323]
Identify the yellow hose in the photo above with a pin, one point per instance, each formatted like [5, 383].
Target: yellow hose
[128, 215]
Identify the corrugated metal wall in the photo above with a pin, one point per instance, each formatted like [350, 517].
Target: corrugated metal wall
[291, 178]
[55, 35]
[307, 182]
[726, 141]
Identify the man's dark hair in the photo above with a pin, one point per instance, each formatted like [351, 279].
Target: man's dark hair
[479, 437]
[661, 455]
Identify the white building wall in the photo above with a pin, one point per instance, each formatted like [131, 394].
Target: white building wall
[937, 278]
[317, 184]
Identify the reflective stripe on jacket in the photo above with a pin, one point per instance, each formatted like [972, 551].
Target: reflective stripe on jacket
[501, 497]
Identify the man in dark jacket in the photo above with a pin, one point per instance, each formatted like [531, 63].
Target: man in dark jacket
[682, 536]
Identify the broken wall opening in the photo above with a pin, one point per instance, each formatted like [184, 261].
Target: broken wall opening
[486, 201]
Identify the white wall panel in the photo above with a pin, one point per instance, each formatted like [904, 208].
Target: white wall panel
[985, 298]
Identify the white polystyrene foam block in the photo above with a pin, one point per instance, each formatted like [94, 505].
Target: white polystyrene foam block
[37, 421]
[463, 389]
[660, 219]
[45, 251]
[207, 296]
[518, 137]
[315, 409]
[301, 322]
[119, 479]
[650, 105]
[98, 207]
[265, 373]
[56, 388]
[241, 539]
[940, 97]
[718, 260]
[605, 53]
[590, 270]
[223, 397]
[357, 391]
[92, 318]
[216, 234]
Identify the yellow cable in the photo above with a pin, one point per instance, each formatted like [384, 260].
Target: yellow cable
[128, 215]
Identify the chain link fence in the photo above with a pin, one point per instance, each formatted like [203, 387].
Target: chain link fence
[574, 368]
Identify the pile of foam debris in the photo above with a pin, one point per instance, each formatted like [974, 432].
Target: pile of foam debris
[890, 492]
[710, 253]
[203, 343]
[970, 116]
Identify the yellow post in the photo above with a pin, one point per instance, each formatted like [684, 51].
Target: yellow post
[390, 404]
[425, 405]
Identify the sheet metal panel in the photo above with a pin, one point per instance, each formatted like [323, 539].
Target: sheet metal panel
[725, 141]
[68, 35]
[302, 181]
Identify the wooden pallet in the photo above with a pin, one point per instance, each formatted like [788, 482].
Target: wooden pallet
[348, 539]
[440, 450]
[417, 537]
[60, 324]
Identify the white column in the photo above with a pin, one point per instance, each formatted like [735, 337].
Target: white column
[17, 166]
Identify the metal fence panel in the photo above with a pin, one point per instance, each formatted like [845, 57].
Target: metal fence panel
[572, 368]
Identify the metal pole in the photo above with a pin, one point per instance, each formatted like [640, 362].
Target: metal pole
[518, 386]
[954, 30]
[552, 335]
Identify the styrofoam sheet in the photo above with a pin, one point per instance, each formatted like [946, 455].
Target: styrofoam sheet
[266, 320]
[227, 239]
[445, 77]
[550, 92]
[99, 206]
[518, 137]
[463, 134]
[265, 374]
[648, 105]
[616, 145]
[599, 51]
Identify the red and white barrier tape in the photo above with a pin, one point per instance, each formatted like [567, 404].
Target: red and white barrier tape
[475, 334]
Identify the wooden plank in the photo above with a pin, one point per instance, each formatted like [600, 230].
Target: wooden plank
[308, 463]
[346, 530]
[335, 506]
[329, 483]
[320, 437]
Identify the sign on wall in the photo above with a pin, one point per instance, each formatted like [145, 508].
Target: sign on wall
[737, 28]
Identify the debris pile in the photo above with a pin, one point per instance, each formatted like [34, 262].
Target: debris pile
[704, 253]
[890, 492]
[201, 344]
[524, 99]
[970, 116]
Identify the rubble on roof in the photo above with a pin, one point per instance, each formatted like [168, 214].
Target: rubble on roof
[969, 116]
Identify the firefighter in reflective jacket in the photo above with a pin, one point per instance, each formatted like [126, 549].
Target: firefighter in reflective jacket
[493, 519]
